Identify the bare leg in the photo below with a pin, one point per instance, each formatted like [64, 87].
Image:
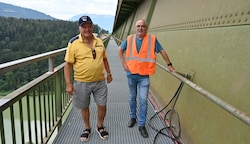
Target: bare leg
[85, 117]
[101, 116]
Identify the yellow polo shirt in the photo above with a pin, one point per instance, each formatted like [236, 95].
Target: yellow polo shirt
[85, 67]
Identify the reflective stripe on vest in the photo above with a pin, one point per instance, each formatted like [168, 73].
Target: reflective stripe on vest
[142, 62]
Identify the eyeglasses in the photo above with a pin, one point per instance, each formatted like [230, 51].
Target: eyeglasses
[142, 26]
[94, 53]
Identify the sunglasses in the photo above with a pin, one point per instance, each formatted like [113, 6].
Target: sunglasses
[94, 53]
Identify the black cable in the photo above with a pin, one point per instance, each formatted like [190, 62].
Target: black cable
[174, 98]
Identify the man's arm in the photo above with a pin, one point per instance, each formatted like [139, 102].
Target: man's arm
[167, 60]
[67, 77]
[124, 65]
[107, 68]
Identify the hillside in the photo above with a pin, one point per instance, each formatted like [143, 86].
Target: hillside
[8, 10]
[21, 38]
[104, 21]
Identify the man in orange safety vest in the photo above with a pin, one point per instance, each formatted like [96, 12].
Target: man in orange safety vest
[138, 57]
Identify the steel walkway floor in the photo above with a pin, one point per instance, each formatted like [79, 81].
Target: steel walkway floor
[117, 115]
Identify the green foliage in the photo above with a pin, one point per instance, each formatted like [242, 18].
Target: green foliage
[20, 38]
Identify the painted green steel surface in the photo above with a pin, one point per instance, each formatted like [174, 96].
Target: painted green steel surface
[211, 38]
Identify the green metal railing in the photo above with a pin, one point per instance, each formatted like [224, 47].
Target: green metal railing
[33, 112]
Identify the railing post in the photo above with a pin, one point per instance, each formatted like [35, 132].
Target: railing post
[2, 129]
[58, 92]
[51, 64]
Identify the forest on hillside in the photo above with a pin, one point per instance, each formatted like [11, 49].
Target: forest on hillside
[20, 38]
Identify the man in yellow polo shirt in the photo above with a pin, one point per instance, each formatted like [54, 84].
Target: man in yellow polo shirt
[87, 56]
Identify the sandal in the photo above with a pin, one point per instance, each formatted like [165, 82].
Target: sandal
[85, 136]
[102, 133]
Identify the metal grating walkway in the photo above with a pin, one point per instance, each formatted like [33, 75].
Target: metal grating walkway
[117, 114]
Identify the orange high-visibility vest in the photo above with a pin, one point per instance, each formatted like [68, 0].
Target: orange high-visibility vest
[142, 63]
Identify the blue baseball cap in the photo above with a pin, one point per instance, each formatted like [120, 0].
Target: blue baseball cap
[84, 19]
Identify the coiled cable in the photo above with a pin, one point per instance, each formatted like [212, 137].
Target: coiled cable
[170, 115]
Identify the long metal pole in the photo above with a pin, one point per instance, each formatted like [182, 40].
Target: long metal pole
[226, 106]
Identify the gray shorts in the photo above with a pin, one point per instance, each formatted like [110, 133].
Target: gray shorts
[83, 91]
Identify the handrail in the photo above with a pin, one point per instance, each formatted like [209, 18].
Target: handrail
[5, 67]
[45, 94]
[244, 117]
[226, 106]
[50, 85]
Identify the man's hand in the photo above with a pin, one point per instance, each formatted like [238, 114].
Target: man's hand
[171, 68]
[125, 66]
[69, 88]
[109, 78]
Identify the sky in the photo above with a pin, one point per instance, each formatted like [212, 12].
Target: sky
[65, 9]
